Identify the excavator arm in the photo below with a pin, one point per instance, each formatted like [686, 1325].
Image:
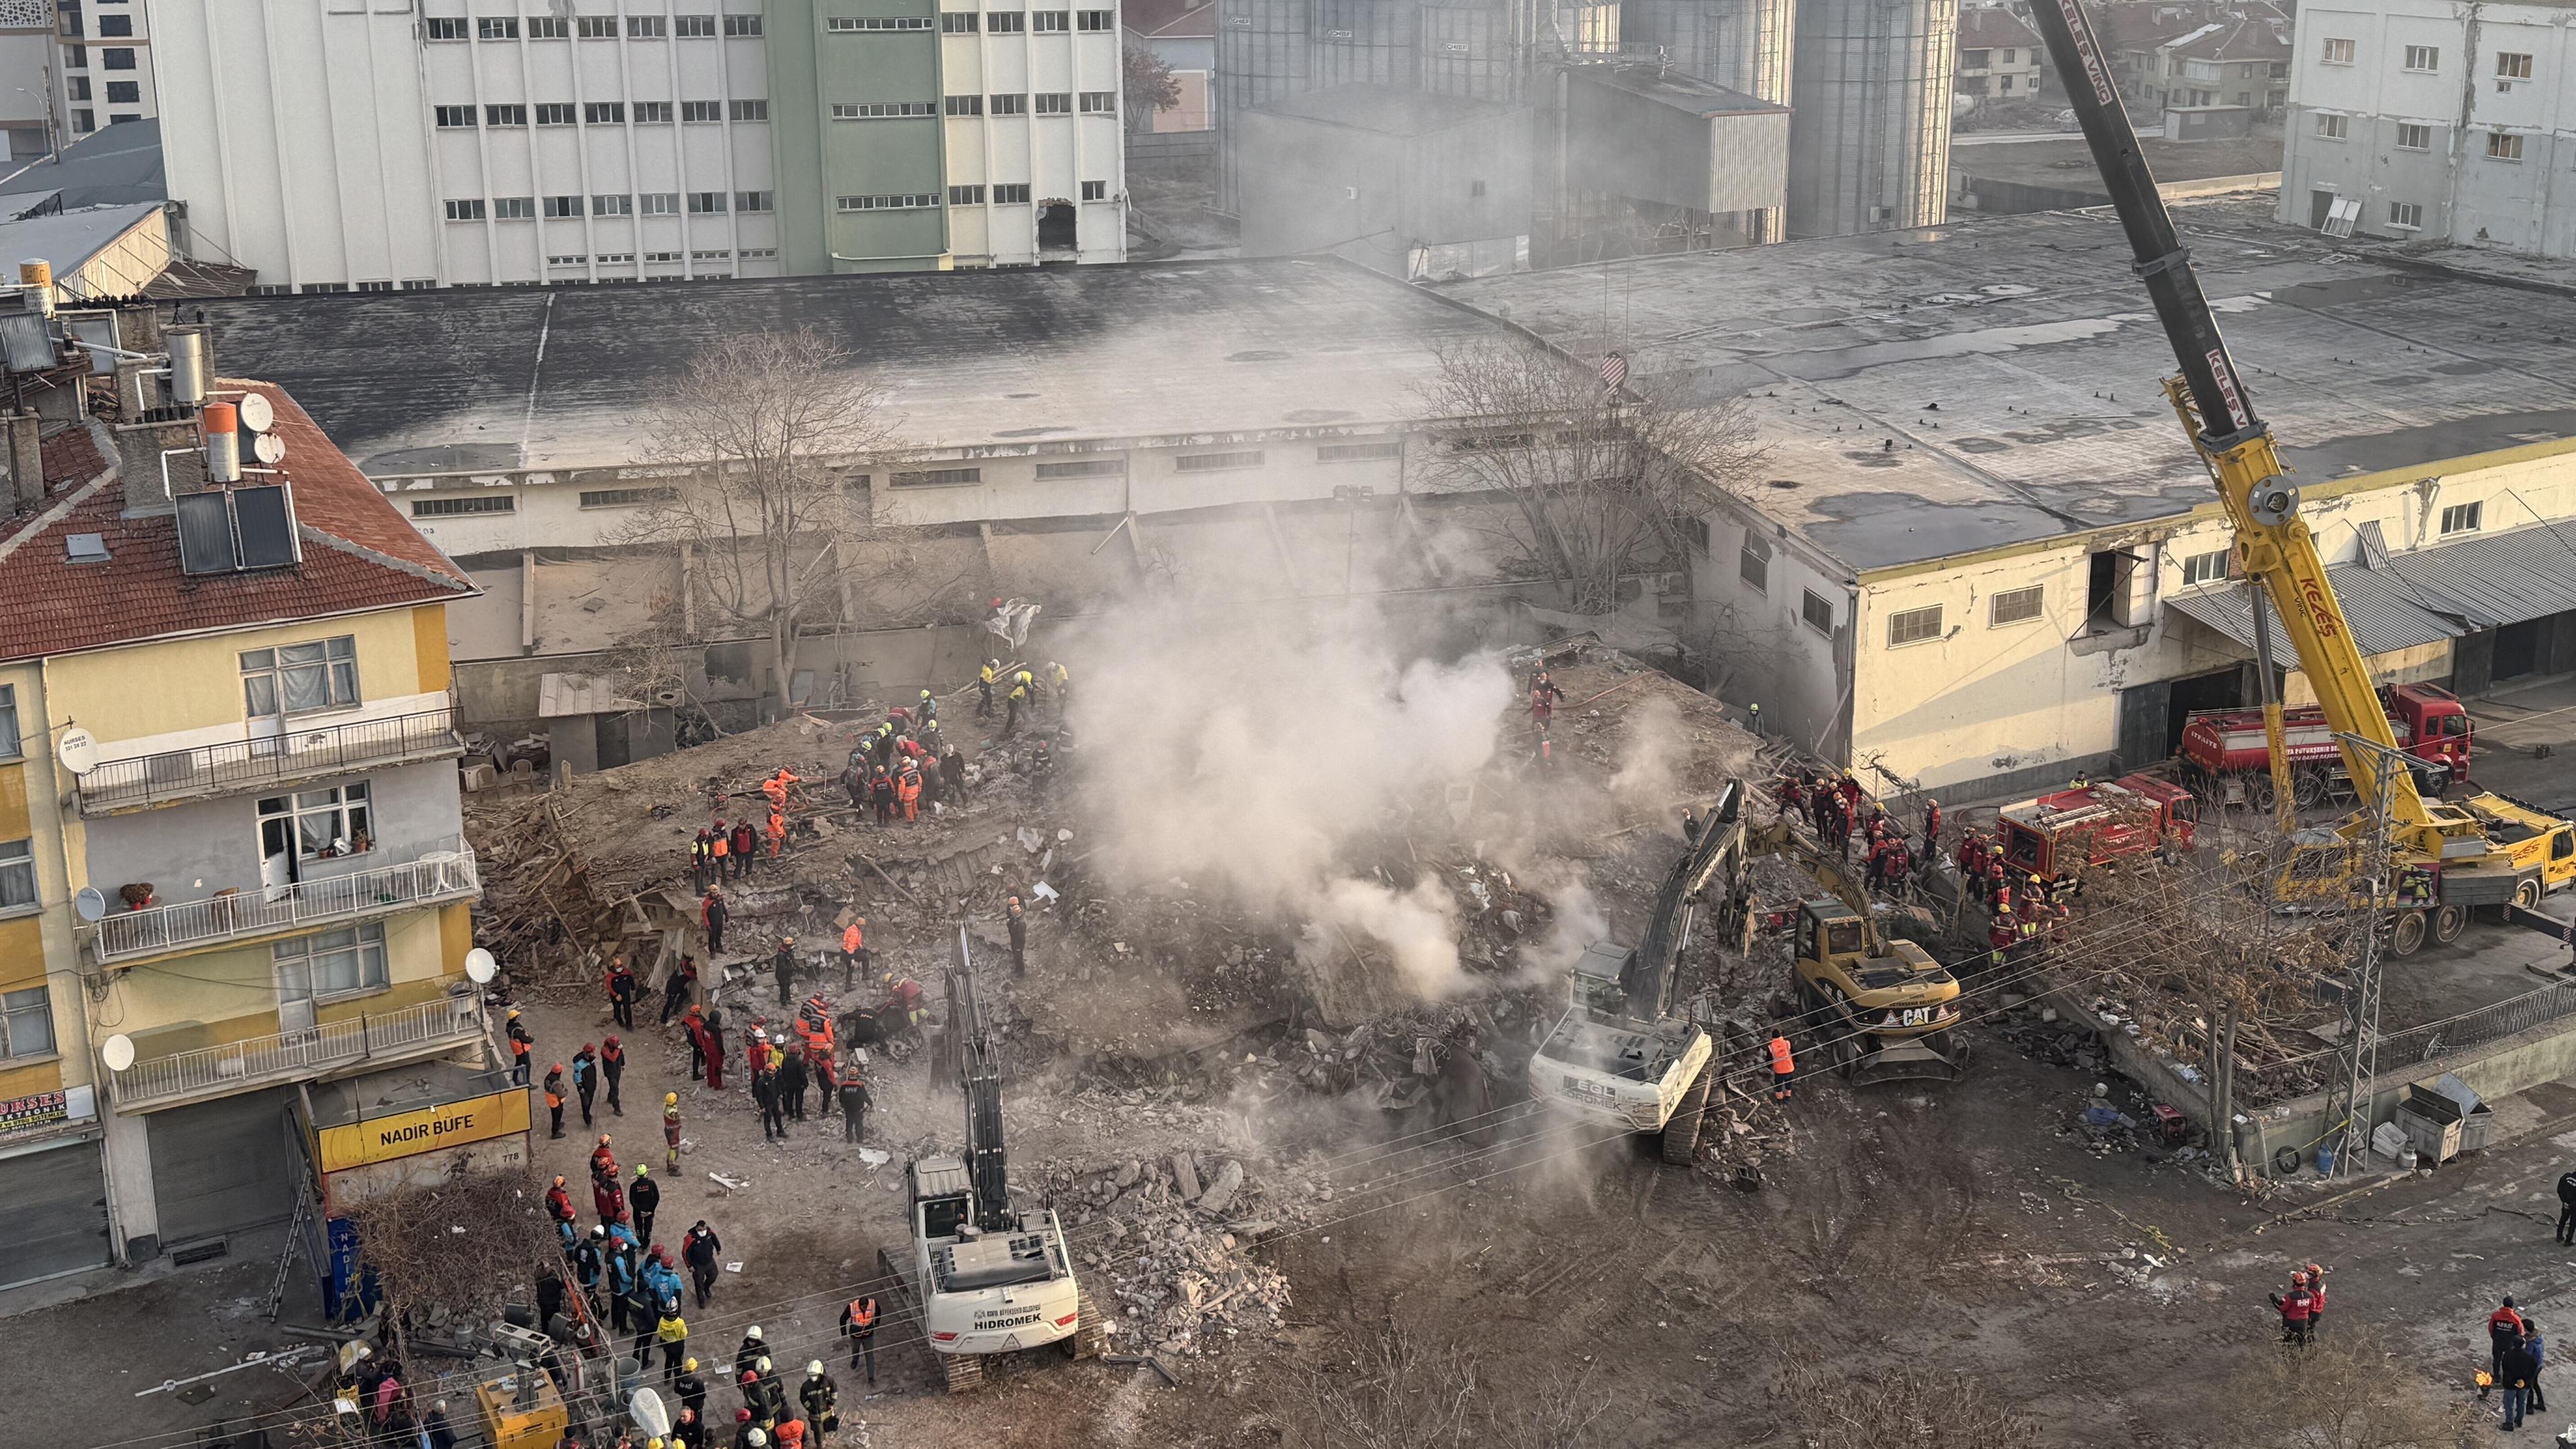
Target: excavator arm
[1777, 838]
[2218, 411]
[979, 1074]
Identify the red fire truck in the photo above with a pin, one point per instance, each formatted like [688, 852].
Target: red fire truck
[2219, 746]
[2060, 834]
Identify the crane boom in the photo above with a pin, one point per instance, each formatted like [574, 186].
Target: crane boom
[2218, 411]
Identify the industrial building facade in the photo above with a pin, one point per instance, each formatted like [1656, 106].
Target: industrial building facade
[471, 144]
[2429, 121]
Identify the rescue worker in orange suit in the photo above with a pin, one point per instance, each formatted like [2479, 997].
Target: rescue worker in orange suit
[720, 851]
[859, 1326]
[520, 1041]
[555, 1100]
[854, 952]
[777, 833]
[2298, 1308]
[909, 789]
[1784, 1070]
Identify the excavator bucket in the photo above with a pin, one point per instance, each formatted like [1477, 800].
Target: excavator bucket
[1915, 1059]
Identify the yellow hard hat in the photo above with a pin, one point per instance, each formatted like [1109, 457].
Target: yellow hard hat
[670, 1099]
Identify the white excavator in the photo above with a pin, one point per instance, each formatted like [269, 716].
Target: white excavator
[1621, 1056]
[984, 1279]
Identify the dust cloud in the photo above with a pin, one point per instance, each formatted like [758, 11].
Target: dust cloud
[1256, 765]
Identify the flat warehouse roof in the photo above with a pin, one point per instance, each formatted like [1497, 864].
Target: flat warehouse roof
[1995, 381]
[505, 379]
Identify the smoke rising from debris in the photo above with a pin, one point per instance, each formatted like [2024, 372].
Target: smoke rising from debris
[1258, 765]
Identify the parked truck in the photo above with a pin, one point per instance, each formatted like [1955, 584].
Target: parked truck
[2061, 834]
[2225, 747]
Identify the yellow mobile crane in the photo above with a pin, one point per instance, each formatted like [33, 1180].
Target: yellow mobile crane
[2445, 862]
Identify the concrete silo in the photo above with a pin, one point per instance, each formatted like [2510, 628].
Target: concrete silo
[1264, 50]
[1869, 143]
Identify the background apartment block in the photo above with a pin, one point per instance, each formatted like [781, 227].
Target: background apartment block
[507, 142]
[2441, 122]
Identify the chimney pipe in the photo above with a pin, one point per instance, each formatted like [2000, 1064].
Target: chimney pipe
[37, 275]
[26, 460]
[192, 367]
[223, 443]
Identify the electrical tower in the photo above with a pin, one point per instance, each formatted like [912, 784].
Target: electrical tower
[2348, 1097]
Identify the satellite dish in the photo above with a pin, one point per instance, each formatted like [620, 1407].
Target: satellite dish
[481, 966]
[647, 1411]
[117, 1051]
[269, 448]
[256, 412]
[89, 904]
[78, 750]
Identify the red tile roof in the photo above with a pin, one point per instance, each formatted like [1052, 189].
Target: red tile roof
[1984, 27]
[360, 553]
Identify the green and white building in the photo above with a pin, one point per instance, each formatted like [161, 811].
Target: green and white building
[366, 145]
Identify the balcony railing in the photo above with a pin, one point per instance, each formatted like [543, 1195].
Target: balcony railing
[438, 876]
[297, 753]
[412, 1031]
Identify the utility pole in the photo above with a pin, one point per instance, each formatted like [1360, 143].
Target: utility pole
[2356, 1067]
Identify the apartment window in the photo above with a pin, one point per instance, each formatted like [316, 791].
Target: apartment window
[1914, 626]
[331, 963]
[694, 27]
[1051, 22]
[652, 113]
[2408, 214]
[77, 56]
[1818, 614]
[321, 824]
[658, 203]
[706, 203]
[2509, 66]
[748, 253]
[937, 477]
[1005, 22]
[627, 497]
[1215, 462]
[9, 739]
[672, 258]
[497, 27]
[592, 27]
[439, 29]
[1096, 20]
[879, 110]
[420, 284]
[557, 113]
[1358, 452]
[957, 22]
[312, 287]
[700, 111]
[903, 201]
[505, 115]
[2462, 518]
[647, 27]
[469, 210]
[751, 110]
[604, 113]
[452, 118]
[124, 59]
[125, 93]
[2204, 568]
[382, 286]
[549, 27]
[966, 196]
[711, 256]
[964, 105]
[300, 678]
[2423, 57]
[479, 502]
[17, 874]
[2411, 137]
[742, 25]
[1095, 191]
[2016, 606]
[514, 208]
[77, 87]
[1011, 193]
[1753, 562]
[1100, 103]
[560, 206]
[84, 120]
[612, 206]
[2334, 128]
[755, 201]
[2501, 147]
[1084, 468]
[568, 259]
[27, 1016]
[1055, 103]
[1009, 105]
[2338, 52]
[850, 24]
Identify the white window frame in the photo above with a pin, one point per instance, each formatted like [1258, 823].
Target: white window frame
[2429, 56]
[2036, 593]
[359, 951]
[331, 663]
[18, 876]
[2458, 518]
[1914, 626]
[317, 820]
[27, 1023]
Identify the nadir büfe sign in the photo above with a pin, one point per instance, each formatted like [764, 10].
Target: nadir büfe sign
[426, 1129]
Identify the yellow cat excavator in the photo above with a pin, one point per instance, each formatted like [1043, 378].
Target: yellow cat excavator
[1881, 1009]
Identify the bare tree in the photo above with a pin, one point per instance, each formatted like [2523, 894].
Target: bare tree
[463, 1242]
[1607, 481]
[1402, 1392]
[2350, 1390]
[1150, 85]
[1898, 1406]
[765, 423]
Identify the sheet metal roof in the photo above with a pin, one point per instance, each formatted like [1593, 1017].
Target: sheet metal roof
[2383, 616]
[2400, 601]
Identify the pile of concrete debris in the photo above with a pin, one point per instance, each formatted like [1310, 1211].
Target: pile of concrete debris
[1166, 1242]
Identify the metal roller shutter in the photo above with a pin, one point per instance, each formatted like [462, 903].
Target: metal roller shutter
[219, 1167]
[55, 1203]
